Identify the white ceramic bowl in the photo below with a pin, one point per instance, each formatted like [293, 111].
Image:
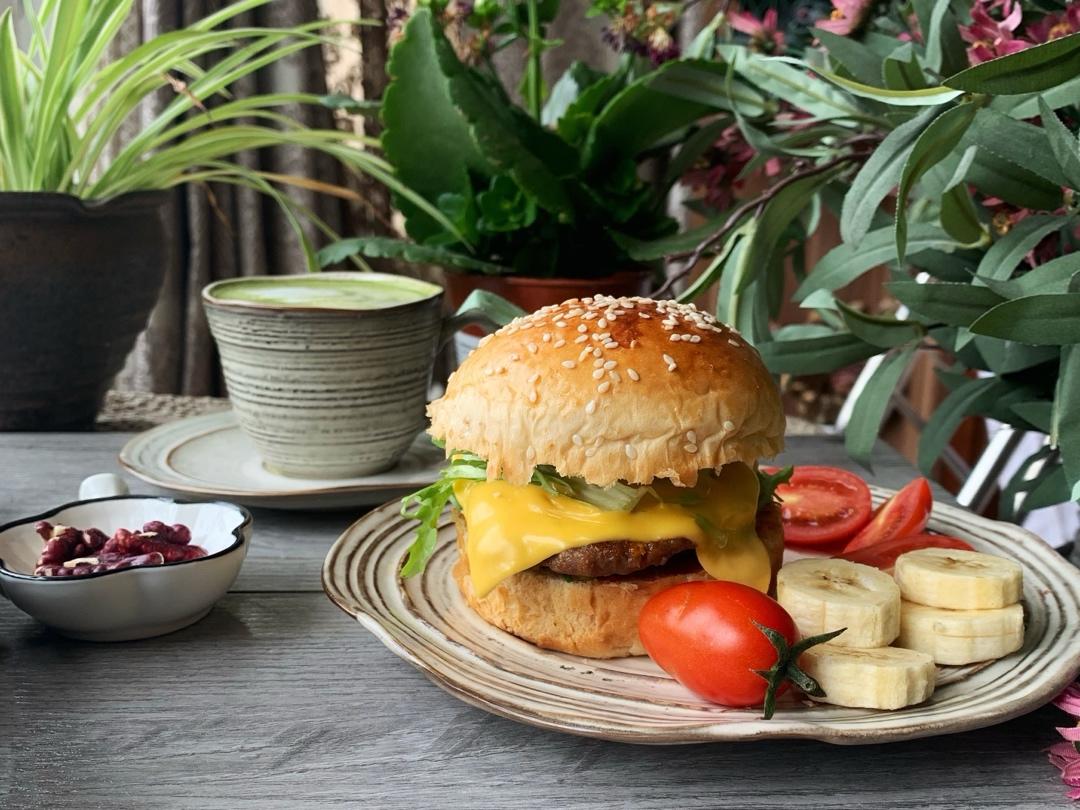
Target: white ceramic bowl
[129, 603]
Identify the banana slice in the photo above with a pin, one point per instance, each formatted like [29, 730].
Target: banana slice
[961, 636]
[958, 580]
[824, 595]
[881, 678]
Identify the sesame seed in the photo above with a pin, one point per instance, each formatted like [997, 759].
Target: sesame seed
[676, 338]
[601, 324]
[534, 378]
[532, 348]
[546, 337]
[615, 376]
[590, 452]
[690, 448]
[630, 451]
[633, 375]
[734, 343]
[691, 436]
[729, 425]
[611, 344]
[603, 387]
[590, 406]
[581, 338]
[532, 395]
[568, 364]
[633, 343]
[596, 375]
[598, 364]
[695, 338]
[597, 353]
[610, 364]
[530, 453]
[644, 315]
[582, 327]
[488, 372]
[577, 440]
[668, 360]
[558, 344]
[514, 358]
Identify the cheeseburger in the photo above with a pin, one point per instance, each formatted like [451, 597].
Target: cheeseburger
[600, 451]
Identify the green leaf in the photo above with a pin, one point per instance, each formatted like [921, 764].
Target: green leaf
[960, 218]
[902, 71]
[863, 63]
[784, 80]
[996, 177]
[944, 46]
[717, 266]
[802, 331]
[663, 101]
[952, 304]
[1036, 413]
[382, 247]
[955, 266]
[1051, 319]
[1027, 71]
[882, 331]
[816, 355]
[1021, 483]
[642, 250]
[862, 431]
[879, 176]
[968, 398]
[1008, 356]
[1064, 144]
[1027, 106]
[1065, 419]
[1018, 142]
[845, 263]
[931, 146]
[576, 122]
[1050, 277]
[492, 307]
[1006, 253]
[926, 97]
[692, 149]
[567, 90]
[1051, 487]
[346, 103]
[427, 136]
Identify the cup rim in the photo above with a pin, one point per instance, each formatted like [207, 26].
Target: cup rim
[210, 301]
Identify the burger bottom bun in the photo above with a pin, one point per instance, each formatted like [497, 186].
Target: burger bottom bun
[591, 617]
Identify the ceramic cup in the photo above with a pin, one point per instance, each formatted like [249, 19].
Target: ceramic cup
[324, 388]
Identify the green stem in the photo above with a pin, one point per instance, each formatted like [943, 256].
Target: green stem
[533, 76]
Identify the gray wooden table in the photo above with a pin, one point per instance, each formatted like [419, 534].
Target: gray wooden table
[278, 700]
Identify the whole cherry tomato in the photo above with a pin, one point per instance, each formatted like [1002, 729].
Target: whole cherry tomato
[903, 515]
[714, 638]
[823, 505]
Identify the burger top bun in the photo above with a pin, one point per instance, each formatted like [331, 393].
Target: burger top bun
[612, 389]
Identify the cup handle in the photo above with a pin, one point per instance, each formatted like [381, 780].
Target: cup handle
[102, 485]
[482, 307]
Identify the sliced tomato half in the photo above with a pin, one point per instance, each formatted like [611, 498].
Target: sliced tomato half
[883, 555]
[823, 505]
[903, 515]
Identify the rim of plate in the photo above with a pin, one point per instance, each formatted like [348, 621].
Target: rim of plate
[1037, 673]
[164, 440]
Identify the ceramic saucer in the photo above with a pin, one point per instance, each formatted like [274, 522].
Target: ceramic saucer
[210, 456]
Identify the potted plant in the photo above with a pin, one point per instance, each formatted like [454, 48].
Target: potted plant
[544, 201]
[82, 241]
[943, 137]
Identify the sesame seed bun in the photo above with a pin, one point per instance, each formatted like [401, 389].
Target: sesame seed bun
[612, 389]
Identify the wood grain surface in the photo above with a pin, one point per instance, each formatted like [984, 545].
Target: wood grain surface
[278, 700]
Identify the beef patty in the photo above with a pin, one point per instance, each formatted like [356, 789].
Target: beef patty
[622, 557]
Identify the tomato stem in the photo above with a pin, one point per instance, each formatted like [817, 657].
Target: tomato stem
[786, 667]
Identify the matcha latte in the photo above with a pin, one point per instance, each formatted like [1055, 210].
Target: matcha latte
[359, 291]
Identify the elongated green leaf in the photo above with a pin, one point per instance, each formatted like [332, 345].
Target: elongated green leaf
[1064, 144]
[1008, 356]
[490, 306]
[879, 176]
[967, 399]
[861, 433]
[641, 250]
[997, 177]
[816, 355]
[955, 266]
[14, 166]
[716, 267]
[427, 137]
[570, 85]
[791, 83]
[960, 218]
[926, 97]
[1027, 106]
[802, 331]
[952, 304]
[902, 71]
[1006, 253]
[863, 63]
[1051, 487]
[931, 146]
[1065, 419]
[1036, 413]
[882, 331]
[1028, 71]
[1041, 320]
[845, 263]
[381, 247]
[944, 46]
[1051, 277]
[1018, 142]
[1023, 482]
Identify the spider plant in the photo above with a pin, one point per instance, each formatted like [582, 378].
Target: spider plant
[63, 104]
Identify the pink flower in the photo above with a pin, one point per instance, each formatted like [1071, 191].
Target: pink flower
[991, 38]
[847, 16]
[1065, 756]
[765, 37]
[1054, 26]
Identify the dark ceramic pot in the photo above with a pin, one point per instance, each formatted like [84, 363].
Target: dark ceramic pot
[77, 282]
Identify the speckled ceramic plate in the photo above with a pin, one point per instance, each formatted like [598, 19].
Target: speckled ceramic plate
[210, 456]
[426, 622]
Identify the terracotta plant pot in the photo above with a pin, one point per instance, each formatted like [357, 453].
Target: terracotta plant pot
[532, 293]
[79, 280]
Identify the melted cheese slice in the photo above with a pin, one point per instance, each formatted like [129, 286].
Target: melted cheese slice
[512, 528]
